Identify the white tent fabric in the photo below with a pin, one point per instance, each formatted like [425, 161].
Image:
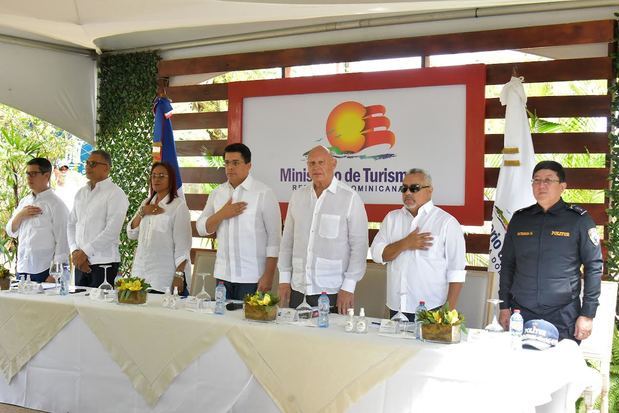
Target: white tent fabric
[59, 86]
[55, 86]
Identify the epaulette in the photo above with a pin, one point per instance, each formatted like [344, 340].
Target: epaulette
[525, 208]
[578, 209]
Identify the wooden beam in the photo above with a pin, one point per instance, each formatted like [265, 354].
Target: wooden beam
[580, 142]
[477, 243]
[577, 178]
[552, 70]
[557, 106]
[601, 31]
[196, 202]
[202, 120]
[200, 175]
[198, 93]
[201, 148]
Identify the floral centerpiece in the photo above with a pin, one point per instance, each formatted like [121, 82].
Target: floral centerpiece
[132, 290]
[442, 325]
[5, 278]
[261, 306]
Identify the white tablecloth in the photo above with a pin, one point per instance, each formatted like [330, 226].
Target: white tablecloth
[74, 373]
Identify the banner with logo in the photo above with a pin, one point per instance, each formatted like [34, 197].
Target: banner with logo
[377, 125]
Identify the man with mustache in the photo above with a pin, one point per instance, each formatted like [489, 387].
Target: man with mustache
[423, 247]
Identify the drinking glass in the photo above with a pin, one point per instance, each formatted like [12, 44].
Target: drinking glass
[494, 326]
[203, 295]
[105, 288]
[55, 270]
[304, 306]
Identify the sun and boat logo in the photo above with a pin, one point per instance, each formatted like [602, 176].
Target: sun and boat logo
[352, 128]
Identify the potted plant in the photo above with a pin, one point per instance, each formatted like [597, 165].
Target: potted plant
[132, 290]
[261, 306]
[442, 325]
[5, 278]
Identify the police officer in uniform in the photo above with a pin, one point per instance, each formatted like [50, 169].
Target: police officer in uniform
[545, 246]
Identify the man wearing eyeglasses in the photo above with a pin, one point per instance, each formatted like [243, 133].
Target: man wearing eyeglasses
[423, 247]
[545, 246]
[40, 224]
[325, 240]
[95, 223]
[246, 216]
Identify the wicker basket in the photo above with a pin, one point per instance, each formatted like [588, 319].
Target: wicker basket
[134, 297]
[260, 313]
[442, 333]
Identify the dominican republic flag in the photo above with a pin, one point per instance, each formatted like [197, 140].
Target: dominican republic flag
[163, 136]
[513, 190]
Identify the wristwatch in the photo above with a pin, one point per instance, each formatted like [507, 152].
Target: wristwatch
[179, 274]
[141, 212]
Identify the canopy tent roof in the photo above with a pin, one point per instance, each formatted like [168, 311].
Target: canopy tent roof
[49, 48]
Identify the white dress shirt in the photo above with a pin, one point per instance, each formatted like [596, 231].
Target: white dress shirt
[245, 241]
[164, 241]
[417, 275]
[96, 220]
[325, 240]
[42, 238]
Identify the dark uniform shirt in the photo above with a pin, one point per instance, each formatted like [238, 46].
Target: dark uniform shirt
[542, 256]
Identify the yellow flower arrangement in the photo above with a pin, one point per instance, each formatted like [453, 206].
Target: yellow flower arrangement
[443, 316]
[128, 286]
[261, 306]
[260, 299]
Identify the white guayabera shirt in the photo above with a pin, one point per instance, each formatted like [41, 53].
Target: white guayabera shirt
[41, 238]
[245, 241]
[164, 241]
[325, 240]
[96, 220]
[417, 275]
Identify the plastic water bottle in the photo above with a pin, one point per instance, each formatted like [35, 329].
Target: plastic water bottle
[421, 307]
[64, 280]
[324, 306]
[362, 323]
[220, 298]
[516, 325]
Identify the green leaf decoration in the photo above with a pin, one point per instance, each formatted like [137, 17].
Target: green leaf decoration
[127, 87]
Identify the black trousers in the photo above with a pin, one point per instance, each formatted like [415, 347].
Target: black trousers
[95, 277]
[563, 318]
[296, 298]
[238, 291]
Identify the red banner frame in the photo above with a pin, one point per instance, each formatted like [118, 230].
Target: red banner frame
[472, 76]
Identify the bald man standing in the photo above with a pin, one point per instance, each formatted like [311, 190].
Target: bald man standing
[325, 241]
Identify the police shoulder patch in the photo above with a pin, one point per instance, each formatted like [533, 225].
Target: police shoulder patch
[594, 236]
[578, 209]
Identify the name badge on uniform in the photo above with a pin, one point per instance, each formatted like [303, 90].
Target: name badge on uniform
[524, 234]
[560, 234]
[594, 236]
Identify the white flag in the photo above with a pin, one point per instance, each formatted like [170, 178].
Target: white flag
[513, 190]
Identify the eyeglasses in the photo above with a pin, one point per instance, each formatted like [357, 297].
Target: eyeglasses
[413, 188]
[32, 174]
[235, 162]
[158, 176]
[546, 182]
[93, 164]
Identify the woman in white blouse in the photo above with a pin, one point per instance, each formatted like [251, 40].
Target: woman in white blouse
[163, 229]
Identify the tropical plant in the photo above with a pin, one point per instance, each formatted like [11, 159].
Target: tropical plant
[22, 137]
